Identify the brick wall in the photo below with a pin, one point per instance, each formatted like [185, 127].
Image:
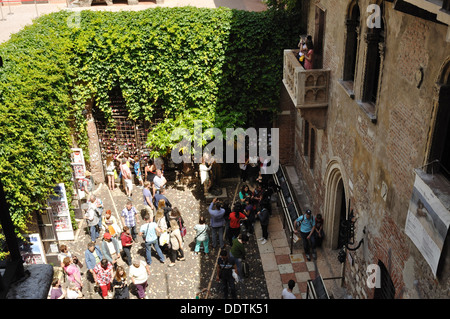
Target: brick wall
[382, 154]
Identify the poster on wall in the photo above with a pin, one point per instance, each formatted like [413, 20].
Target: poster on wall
[61, 213]
[31, 250]
[427, 222]
[78, 164]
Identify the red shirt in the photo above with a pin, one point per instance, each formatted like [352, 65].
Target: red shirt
[234, 222]
[126, 239]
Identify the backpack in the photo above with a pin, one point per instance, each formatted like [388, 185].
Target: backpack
[182, 227]
[303, 218]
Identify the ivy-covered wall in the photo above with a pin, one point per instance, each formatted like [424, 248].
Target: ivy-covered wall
[35, 117]
[216, 65]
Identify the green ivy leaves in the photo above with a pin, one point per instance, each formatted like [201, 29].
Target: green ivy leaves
[189, 64]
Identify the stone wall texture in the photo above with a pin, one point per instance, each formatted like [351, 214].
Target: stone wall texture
[377, 160]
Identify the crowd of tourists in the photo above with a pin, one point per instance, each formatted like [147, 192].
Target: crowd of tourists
[109, 262]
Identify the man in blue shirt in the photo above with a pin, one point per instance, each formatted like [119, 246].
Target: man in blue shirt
[159, 196]
[307, 225]
[217, 222]
[148, 230]
[93, 256]
[148, 200]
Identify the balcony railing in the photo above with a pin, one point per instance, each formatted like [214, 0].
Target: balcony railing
[308, 89]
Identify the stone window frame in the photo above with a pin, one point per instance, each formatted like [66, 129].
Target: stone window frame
[309, 143]
[351, 47]
[373, 60]
[440, 120]
[306, 128]
[312, 147]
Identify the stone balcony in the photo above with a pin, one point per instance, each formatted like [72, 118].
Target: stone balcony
[308, 89]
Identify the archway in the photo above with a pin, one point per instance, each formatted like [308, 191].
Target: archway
[335, 204]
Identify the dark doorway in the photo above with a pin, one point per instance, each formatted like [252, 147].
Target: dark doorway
[319, 32]
[341, 209]
[387, 289]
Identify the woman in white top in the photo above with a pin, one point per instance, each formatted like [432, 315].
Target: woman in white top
[139, 272]
[110, 167]
[204, 175]
[73, 292]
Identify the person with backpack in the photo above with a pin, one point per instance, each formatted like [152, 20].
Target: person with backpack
[306, 223]
[225, 267]
[217, 221]
[176, 238]
[202, 236]
[110, 249]
[149, 232]
[92, 219]
[237, 251]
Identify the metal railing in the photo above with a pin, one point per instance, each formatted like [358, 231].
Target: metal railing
[290, 209]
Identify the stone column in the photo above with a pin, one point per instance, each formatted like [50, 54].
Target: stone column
[95, 156]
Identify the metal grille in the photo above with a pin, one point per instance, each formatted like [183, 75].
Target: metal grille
[126, 136]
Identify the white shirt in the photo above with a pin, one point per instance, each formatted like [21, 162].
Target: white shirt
[204, 172]
[287, 294]
[112, 249]
[72, 294]
[140, 274]
[158, 181]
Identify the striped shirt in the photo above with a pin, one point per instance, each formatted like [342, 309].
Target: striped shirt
[129, 216]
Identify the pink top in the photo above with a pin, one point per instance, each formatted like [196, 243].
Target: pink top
[309, 64]
[73, 274]
[125, 171]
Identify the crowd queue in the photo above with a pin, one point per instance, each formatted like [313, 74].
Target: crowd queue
[229, 228]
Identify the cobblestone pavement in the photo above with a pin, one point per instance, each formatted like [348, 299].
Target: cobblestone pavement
[187, 277]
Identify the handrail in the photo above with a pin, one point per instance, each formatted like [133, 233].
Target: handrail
[287, 200]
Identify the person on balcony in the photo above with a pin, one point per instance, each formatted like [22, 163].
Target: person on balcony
[309, 55]
[303, 49]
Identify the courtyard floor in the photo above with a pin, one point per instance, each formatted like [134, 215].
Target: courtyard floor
[271, 265]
